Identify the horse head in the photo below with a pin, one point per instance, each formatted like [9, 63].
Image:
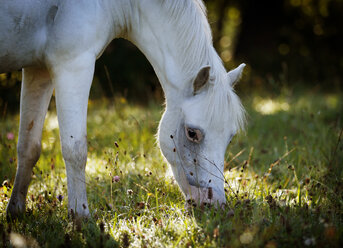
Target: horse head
[194, 135]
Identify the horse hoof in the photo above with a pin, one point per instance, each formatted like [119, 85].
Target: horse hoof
[82, 214]
[15, 210]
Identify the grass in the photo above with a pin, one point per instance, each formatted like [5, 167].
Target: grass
[284, 181]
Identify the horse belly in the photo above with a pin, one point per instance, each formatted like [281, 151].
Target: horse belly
[11, 59]
[20, 50]
[22, 33]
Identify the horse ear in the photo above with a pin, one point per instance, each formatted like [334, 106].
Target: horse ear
[201, 79]
[235, 74]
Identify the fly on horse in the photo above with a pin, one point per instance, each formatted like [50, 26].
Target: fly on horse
[56, 44]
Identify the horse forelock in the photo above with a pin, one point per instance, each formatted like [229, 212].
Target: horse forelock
[223, 107]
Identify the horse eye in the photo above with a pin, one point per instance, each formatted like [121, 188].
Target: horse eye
[193, 134]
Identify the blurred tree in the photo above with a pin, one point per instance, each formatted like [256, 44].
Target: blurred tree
[301, 39]
[124, 70]
[9, 92]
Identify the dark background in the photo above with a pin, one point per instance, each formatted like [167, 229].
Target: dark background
[293, 43]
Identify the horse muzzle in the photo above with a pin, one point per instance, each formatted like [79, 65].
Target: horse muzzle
[201, 196]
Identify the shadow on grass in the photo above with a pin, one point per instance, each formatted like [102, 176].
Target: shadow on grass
[269, 223]
[45, 228]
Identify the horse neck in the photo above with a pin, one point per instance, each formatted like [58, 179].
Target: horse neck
[157, 37]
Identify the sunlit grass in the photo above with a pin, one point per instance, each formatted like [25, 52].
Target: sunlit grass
[269, 106]
[284, 181]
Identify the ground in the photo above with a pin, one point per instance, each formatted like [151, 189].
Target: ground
[284, 180]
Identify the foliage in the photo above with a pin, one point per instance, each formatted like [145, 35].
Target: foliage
[303, 37]
[284, 181]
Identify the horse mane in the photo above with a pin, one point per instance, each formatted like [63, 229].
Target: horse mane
[189, 17]
[193, 31]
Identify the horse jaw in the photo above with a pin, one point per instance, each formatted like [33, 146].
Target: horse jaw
[208, 187]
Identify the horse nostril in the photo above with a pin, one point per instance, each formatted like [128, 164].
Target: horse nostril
[206, 205]
[191, 202]
[210, 193]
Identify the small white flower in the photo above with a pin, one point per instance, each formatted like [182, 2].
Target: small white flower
[310, 241]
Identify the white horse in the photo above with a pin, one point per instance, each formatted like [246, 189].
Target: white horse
[56, 42]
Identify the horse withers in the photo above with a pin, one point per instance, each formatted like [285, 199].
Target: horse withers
[56, 43]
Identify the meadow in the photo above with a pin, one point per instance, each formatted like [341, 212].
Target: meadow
[284, 179]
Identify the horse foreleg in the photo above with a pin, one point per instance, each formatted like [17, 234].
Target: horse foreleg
[35, 98]
[72, 83]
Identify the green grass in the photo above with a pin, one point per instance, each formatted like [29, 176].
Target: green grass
[284, 181]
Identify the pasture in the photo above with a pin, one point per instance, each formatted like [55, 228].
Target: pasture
[284, 180]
